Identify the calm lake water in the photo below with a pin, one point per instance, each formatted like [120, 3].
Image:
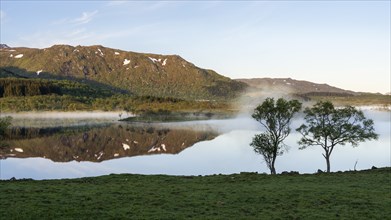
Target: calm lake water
[51, 148]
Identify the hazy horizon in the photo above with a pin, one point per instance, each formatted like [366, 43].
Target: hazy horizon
[344, 44]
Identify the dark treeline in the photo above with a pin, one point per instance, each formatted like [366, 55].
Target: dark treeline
[19, 94]
[25, 87]
[158, 99]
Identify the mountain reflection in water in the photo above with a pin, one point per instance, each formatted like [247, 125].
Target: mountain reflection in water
[100, 142]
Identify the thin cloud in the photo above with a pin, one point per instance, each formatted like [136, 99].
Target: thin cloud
[50, 38]
[85, 18]
[78, 35]
[116, 3]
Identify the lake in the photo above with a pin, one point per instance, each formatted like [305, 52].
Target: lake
[45, 146]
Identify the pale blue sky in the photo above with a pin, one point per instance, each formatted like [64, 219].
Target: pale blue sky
[342, 43]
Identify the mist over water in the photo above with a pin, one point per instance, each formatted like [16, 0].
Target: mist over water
[252, 97]
[52, 119]
[227, 153]
[65, 115]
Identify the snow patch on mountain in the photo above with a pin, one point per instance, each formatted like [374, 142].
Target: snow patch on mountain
[19, 56]
[20, 150]
[101, 53]
[154, 60]
[126, 62]
[125, 146]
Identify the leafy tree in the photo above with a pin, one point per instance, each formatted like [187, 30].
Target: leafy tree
[275, 117]
[328, 127]
[263, 145]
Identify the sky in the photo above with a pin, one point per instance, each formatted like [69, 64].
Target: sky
[342, 43]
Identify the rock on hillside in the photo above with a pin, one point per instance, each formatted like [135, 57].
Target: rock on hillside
[137, 73]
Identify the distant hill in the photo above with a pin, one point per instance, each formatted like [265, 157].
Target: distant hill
[141, 74]
[260, 88]
[294, 87]
[4, 46]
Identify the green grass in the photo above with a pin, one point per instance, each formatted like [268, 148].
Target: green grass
[349, 195]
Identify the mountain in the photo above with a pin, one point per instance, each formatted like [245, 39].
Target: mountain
[141, 74]
[293, 87]
[4, 46]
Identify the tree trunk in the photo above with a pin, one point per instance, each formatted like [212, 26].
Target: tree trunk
[327, 157]
[328, 163]
[272, 170]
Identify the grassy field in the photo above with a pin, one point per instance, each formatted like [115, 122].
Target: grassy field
[349, 195]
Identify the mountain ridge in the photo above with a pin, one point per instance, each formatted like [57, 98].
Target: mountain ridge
[4, 46]
[295, 87]
[98, 77]
[138, 73]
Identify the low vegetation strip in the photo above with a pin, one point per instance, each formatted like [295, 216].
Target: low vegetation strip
[348, 195]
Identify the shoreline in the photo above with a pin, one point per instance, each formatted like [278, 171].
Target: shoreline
[68, 114]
